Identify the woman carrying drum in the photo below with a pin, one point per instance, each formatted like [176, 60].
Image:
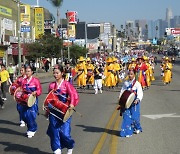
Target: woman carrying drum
[131, 115]
[59, 131]
[18, 83]
[31, 85]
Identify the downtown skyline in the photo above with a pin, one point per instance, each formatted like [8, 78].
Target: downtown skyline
[116, 12]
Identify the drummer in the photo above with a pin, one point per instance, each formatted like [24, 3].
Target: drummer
[131, 116]
[31, 85]
[18, 81]
[59, 131]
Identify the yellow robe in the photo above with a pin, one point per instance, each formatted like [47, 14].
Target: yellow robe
[117, 68]
[82, 71]
[90, 74]
[167, 72]
[109, 73]
[148, 78]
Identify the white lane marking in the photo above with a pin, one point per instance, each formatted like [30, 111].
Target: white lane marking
[158, 116]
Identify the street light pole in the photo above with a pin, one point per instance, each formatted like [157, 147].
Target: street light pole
[19, 33]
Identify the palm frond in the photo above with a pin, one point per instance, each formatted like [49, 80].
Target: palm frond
[56, 3]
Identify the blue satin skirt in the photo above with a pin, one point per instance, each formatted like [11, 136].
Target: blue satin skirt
[60, 133]
[19, 109]
[29, 115]
[131, 120]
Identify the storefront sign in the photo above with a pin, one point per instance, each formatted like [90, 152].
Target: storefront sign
[39, 22]
[5, 11]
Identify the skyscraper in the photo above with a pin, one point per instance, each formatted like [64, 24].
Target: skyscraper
[169, 16]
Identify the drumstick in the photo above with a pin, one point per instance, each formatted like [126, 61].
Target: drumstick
[78, 113]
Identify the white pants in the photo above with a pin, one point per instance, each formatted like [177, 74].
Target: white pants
[97, 84]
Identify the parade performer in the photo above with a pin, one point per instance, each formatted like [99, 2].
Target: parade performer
[68, 72]
[167, 69]
[117, 69]
[151, 68]
[81, 73]
[133, 64]
[31, 85]
[109, 73]
[98, 74]
[147, 72]
[90, 74]
[141, 68]
[131, 116]
[18, 82]
[59, 131]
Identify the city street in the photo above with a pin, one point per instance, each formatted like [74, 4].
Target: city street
[97, 131]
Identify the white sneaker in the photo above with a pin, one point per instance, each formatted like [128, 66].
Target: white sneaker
[96, 92]
[100, 91]
[5, 99]
[128, 136]
[58, 151]
[30, 134]
[69, 151]
[22, 123]
[137, 131]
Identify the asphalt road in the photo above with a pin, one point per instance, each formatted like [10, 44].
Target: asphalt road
[98, 130]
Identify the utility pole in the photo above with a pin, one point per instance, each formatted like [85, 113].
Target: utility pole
[37, 2]
[19, 33]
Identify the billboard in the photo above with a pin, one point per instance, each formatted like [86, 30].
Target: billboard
[5, 11]
[71, 32]
[72, 17]
[25, 15]
[173, 31]
[39, 22]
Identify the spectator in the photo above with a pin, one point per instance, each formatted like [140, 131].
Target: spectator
[10, 70]
[4, 77]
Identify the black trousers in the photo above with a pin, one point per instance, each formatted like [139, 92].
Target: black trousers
[1, 101]
[4, 89]
[11, 77]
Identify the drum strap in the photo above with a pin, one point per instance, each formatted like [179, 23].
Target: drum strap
[131, 86]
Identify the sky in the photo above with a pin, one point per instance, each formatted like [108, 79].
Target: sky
[114, 11]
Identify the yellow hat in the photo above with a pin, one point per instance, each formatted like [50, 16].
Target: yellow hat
[114, 59]
[81, 58]
[133, 59]
[109, 60]
[166, 58]
[88, 59]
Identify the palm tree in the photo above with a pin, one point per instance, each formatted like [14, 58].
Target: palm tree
[57, 4]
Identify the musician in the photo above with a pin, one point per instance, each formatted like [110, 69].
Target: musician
[58, 131]
[31, 85]
[68, 72]
[90, 75]
[131, 116]
[81, 73]
[147, 72]
[98, 73]
[18, 81]
[132, 65]
[167, 69]
[109, 73]
[141, 68]
[117, 69]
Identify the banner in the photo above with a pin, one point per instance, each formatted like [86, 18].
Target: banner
[5, 11]
[8, 24]
[71, 32]
[71, 17]
[25, 15]
[39, 22]
[2, 53]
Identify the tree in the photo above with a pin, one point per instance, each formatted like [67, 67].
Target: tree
[57, 4]
[77, 51]
[47, 46]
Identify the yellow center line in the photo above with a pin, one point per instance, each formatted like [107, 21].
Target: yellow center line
[104, 135]
[114, 144]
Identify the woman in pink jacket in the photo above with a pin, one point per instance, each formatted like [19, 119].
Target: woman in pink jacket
[59, 131]
[32, 86]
